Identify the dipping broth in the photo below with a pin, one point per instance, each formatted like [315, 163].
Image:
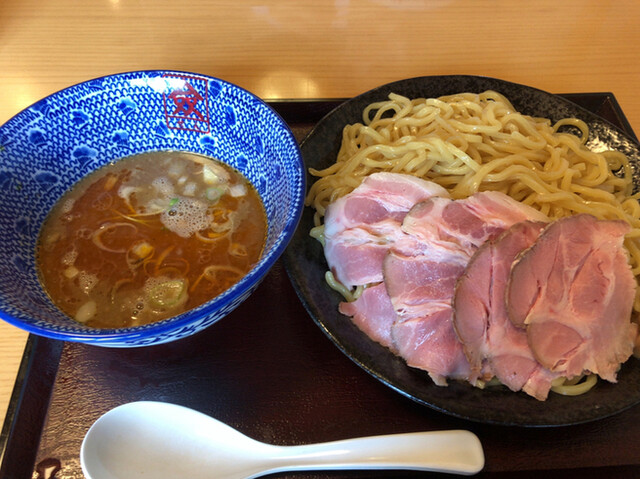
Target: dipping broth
[149, 237]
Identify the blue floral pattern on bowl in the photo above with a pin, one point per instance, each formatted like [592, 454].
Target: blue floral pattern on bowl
[49, 146]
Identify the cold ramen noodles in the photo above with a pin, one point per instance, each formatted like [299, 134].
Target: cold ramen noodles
[149, 237]
[483, 245]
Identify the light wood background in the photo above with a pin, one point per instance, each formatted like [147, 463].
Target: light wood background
[313, 49]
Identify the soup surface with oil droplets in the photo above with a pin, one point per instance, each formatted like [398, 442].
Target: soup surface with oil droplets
[149, 237]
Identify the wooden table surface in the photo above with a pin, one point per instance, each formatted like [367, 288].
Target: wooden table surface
[310, 49]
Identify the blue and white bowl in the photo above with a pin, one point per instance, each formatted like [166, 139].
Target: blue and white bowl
[49, 146]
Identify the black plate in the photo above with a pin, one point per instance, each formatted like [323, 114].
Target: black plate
[306, 266]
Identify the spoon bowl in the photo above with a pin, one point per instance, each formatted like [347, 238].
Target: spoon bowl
[161, 440]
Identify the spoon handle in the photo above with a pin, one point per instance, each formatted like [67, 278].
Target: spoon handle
[454, 451]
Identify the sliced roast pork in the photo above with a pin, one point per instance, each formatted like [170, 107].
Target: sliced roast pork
[573, 291]
[421, 288]
[491, 342]
[468, 223]
[361, 226]
[373, 313]
[421, 282]
[355, 255]
[380, 196]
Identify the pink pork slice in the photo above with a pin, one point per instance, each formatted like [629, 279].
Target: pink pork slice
[421, 288]
[380, 196]
[421, 282]
[361, 226]
[468, 223]
[373, 313]
[491, 342]
[573, 291]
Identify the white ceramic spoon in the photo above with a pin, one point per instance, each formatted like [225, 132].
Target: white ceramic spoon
[160, 440]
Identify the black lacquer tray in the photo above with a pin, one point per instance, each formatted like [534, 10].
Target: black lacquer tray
[268, 370]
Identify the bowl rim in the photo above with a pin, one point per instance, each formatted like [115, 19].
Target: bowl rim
[113, 336]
